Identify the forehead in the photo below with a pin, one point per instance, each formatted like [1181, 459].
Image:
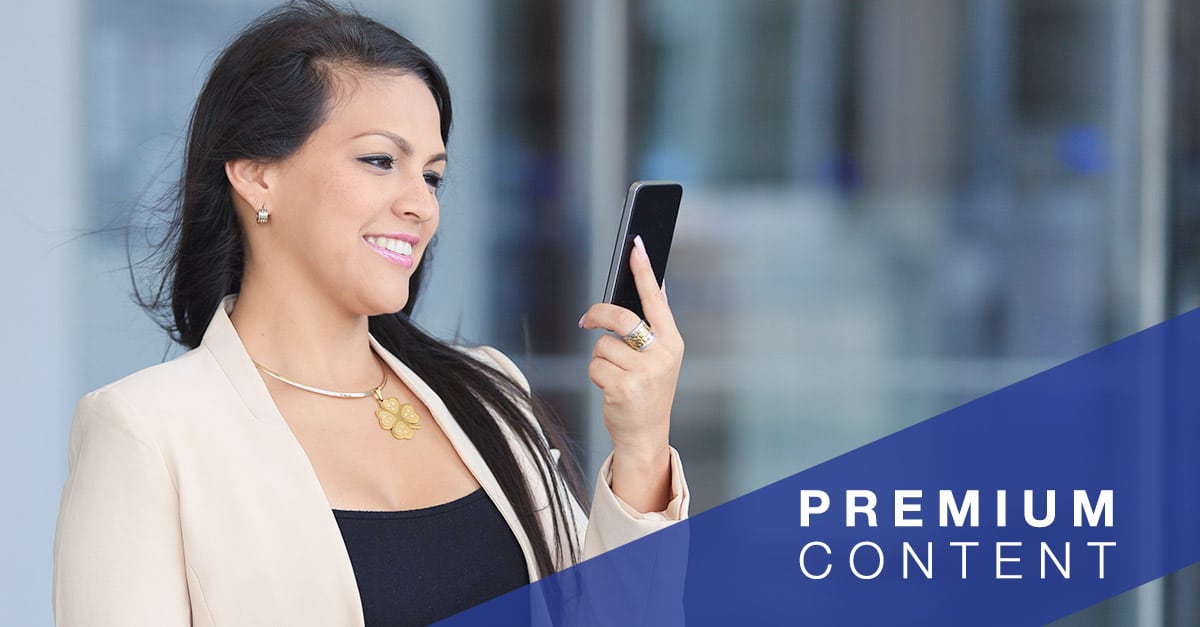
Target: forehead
[399, 103]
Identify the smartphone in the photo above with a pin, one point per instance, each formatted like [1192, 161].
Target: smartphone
[651, 208]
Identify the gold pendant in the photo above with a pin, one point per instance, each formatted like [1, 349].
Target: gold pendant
[401, 420]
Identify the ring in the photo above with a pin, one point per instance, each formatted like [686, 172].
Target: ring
[640, 337]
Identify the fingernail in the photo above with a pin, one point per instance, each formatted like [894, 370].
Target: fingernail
[641, 246]
[581, 320]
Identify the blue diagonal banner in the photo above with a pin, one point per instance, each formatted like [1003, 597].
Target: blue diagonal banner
[1018, 508]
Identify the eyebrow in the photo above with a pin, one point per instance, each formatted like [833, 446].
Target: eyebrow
[403, 144]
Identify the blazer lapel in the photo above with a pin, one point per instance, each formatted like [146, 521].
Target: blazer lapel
[315, 528]
[465, 449]
[221, 339]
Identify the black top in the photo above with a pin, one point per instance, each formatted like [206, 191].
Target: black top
[418, 566]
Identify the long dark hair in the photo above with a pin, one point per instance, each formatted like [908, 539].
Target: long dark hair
[267, 93]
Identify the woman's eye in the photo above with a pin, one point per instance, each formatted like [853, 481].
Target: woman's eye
[433, 180]
[383, 162]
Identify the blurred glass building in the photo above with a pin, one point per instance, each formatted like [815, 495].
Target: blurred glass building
[891, 207]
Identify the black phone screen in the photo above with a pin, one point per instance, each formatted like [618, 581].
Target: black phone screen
[652, 214]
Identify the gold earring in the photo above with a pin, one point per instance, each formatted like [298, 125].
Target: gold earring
[263, 215]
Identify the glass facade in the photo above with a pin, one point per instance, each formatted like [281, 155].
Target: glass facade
[890, 207]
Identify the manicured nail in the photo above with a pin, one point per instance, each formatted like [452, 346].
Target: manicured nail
[581, 320]
[641, 246]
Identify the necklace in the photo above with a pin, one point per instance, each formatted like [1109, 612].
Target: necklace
[400, 419]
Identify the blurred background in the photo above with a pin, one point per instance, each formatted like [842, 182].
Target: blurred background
[891, 207]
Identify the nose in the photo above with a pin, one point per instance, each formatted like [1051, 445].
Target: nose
[416, 201]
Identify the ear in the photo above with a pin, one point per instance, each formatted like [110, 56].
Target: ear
[249, 181]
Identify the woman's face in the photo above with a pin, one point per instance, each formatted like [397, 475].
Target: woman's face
[353, 210]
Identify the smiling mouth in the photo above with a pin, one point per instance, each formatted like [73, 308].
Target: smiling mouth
[400, 247]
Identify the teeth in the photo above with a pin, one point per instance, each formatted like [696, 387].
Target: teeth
[397, 246]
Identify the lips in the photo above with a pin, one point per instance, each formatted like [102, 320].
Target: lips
[397, 248]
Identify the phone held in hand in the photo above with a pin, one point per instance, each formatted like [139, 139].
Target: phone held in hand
[651, 208]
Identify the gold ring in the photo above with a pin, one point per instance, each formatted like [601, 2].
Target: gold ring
[640, 337]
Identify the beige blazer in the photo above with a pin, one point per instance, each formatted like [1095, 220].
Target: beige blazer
[189, 501]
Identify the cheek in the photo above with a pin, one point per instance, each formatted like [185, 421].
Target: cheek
[345, 210]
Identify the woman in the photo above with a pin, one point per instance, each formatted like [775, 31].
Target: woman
[316, 458]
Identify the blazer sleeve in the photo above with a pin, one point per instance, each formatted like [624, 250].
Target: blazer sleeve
[613, 522]
[118, 550]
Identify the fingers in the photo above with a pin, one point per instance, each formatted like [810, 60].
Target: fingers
[654, 302]
[617, 369]
[614, 318]
[604, 373]
[612, 349]
[620, 321]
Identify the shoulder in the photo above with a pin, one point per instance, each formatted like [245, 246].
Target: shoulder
[138, 401]
[497, 360]
[173, 377]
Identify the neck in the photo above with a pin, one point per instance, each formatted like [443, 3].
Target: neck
[305, 337]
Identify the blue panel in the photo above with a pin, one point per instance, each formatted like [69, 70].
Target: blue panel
[1125, 419]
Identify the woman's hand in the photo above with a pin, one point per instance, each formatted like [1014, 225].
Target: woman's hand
[639, 388]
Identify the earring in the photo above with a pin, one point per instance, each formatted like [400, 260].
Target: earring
[263, 215]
